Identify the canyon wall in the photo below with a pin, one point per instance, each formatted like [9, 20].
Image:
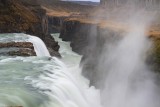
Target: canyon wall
[88, 39]
[18, 16]
[55, 23]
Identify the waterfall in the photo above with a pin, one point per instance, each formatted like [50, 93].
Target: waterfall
[65, 87]
[39, 82]
[39, 46]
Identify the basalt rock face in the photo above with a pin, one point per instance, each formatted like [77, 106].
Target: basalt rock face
[23, 16]
[91, 39]
[81, 35]
[22, 52]
[83, 41]
[87, 39]
[55, 23]
[93, 59]
[154, 55]
[17, 44]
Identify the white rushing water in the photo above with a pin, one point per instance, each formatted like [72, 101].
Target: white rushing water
[39, 46]
[45, 82]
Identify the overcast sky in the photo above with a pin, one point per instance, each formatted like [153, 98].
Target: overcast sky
[90, 0]
[85, 0]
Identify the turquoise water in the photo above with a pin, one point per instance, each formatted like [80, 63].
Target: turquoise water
[15, 90]
[43, 81]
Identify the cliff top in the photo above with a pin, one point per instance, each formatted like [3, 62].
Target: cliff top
[65, 9]
[154, 30]
[65, 6]
[103, 17]
[53, 12]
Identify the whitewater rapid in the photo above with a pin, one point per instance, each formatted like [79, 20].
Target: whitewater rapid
[39, 46]
[43, 81]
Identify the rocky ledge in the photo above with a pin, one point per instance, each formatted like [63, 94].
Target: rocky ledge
[22, 52]
[17, 44]
[17, 49]
[26, 16]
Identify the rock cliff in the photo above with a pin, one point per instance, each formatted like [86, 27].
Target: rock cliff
[87, 38]
[22, 16]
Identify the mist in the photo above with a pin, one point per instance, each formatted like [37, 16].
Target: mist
[124, 77]
[128, 82]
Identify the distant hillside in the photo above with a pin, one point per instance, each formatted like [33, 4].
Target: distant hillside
[86, 3]
[65, 6]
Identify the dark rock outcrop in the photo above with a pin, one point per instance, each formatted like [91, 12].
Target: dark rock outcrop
[80, 34]
[22, 52]
[154, 55]
[87, 40]
[55, 23]
[17, 49]
[17, 44]
[23, 16]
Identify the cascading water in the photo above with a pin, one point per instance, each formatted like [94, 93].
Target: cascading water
[39, 46]
[45, 82]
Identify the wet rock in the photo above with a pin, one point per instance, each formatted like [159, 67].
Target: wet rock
[18, 49]
[17, 44]
[54, 53]
[22, 52]
[81, 35]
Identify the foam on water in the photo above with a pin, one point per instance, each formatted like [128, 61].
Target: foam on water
[43, 82]
[39, 46]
